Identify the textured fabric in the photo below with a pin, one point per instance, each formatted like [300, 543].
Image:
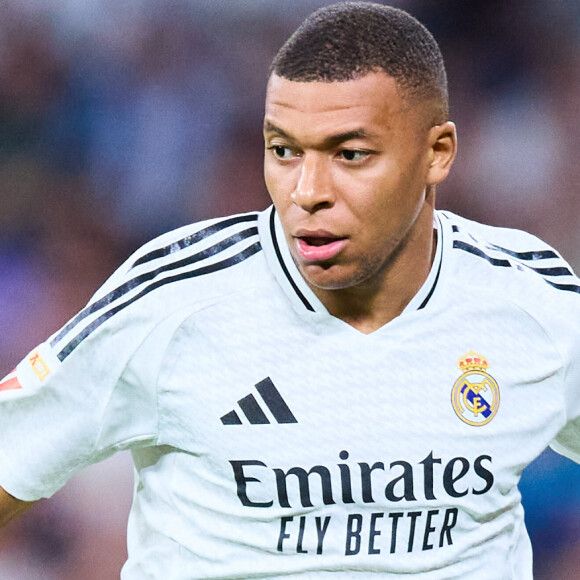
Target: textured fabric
[271, 439]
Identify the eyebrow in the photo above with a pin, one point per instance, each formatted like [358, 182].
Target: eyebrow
[332, 140]
[271, 128]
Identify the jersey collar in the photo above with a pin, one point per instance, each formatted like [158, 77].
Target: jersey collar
[282, 265]
[288, 276]
[423, 296]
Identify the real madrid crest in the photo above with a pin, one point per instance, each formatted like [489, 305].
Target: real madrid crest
[475, 394]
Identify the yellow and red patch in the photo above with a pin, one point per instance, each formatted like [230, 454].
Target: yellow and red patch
[40, 368]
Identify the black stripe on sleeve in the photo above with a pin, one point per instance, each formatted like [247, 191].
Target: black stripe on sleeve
[194, 238]
[89, 329]
[526, 256]
[543, 272]
[567, 287]
[557, 271]
[477, 252]
[146, 277]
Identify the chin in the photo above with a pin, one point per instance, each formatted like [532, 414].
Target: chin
[327, 279]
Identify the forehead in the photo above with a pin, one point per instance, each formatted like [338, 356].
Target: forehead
[371, 102]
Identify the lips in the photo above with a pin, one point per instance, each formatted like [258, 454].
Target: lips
[318, 246]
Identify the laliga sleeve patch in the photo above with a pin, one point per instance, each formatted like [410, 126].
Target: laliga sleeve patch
[40, 370]
[36, 362]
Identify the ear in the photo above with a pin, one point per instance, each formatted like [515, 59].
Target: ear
[443, 148]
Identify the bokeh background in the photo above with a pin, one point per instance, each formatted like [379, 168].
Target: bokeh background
[120, 119]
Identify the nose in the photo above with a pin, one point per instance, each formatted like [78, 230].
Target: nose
[313, 190]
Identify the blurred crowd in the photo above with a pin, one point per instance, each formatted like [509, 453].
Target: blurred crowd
[121, 120]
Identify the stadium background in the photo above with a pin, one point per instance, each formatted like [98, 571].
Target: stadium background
[119, 120]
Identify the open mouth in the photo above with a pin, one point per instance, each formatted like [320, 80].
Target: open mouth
[319, 248]
[318, 241]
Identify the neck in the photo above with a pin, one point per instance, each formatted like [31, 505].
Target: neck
[375, 302]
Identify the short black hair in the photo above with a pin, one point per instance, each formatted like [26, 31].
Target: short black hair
[348, 40]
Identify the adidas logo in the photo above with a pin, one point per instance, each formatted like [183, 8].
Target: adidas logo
[255, 414]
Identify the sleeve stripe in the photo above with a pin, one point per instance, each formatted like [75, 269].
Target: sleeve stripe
[567, 287]
[526, 256]
[543, 272]
[458, 244]
[236, 259]
[133, 283]
[194, 238]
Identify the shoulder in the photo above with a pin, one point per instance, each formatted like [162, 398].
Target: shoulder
[494, 266]
[511, 242]
[193, 250]
[511, 254]
[179, 272]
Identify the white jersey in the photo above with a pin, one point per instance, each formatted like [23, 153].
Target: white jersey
[271, 439]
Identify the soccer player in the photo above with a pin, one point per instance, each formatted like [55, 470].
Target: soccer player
[348, 383]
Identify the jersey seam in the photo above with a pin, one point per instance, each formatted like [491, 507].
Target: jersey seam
[553, 343]
[120, 444]
[157, 434]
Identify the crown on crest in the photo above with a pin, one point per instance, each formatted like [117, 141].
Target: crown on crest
[472, 362]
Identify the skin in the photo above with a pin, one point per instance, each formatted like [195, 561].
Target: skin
[354, 161]
[10, 507]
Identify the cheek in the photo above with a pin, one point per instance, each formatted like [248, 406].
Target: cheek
[276, 184]
[272, 184]
[371, 198]
[387, 210]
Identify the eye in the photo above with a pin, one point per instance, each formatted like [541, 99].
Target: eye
[353, 155]
[281, 152]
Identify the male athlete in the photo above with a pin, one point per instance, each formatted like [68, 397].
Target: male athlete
[346, 384]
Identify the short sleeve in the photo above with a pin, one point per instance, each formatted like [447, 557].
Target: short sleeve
[91, 388]
[567, 442]
[86, 392]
